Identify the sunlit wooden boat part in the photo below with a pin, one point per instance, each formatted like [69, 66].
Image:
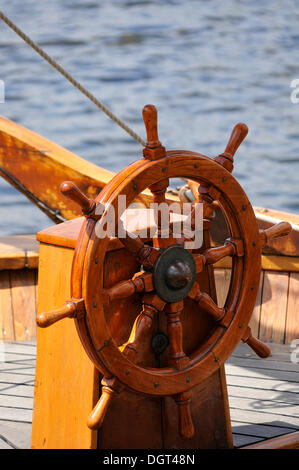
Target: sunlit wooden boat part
[36, 167]
[122, 294]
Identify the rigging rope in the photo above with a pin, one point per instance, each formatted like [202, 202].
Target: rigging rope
[72, 80]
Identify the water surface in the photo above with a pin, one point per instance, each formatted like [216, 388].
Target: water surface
[206, 65]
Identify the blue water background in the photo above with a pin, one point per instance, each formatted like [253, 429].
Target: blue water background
[206, 65]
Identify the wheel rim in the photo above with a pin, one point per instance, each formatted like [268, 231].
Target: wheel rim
[93, 329]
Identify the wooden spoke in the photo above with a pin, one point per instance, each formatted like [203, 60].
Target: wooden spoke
[146, 255]
[164, 233]
[71, 191]
[151, 305]
[256, 345]
[226, 159]
[231, 247]
[110, 389]
[153, 150]
[175, 334]
[183, 401]
[141, 282]
[133, 243]
[194, 189]
[276, 231]
[71, 309]
[205, 302]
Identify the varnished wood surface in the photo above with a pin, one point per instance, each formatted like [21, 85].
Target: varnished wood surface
[41, 166]
[66, 383]
[275, 316]
[131, 181]
[18, 251]
[263, 395]
[18, 298]
[16, 324]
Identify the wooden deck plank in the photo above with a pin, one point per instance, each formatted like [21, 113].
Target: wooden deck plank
[15, 378]
[15, 414]
[264, 364]
[24, 357]
[21, 348]
[20, 368]
[261, 373]
[260, 417]
[260, 394]
[259, 430]
[17, 358]
[17, 434]
[276, 354]
[263, 395]
[16, 402]
[241, 440]
[262, 384]
[276, 408]
[4, 444]
[16, 390]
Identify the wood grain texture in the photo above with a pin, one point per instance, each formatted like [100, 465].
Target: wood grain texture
[130, 182]
[18, 251]
[23, 303]
[41, 166]
[23, 299]
[254, 322]
[269, 262]
[66, 382]
[209, 415]
[222, 280]
[274, 307]
[292, 321]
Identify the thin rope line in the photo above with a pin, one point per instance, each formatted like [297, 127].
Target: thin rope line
[69, 77]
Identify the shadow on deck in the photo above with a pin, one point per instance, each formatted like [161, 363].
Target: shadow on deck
[263, 394]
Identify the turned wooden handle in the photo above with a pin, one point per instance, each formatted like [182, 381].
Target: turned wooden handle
[45, 319]
[70, 190]
[237, 136]
[150, 117]
[256, 345]
[121, 290]
[212, 255]
[208, 305]
[278, 230]
[96, 417]
[186, 428]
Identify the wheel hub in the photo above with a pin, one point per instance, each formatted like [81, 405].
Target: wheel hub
[174, 274]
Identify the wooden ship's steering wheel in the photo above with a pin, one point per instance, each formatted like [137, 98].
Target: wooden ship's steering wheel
[167, 279]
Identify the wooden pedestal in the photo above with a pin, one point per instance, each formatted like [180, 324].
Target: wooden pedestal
[67, 385]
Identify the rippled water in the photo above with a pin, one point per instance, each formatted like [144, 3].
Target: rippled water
[206, 65]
